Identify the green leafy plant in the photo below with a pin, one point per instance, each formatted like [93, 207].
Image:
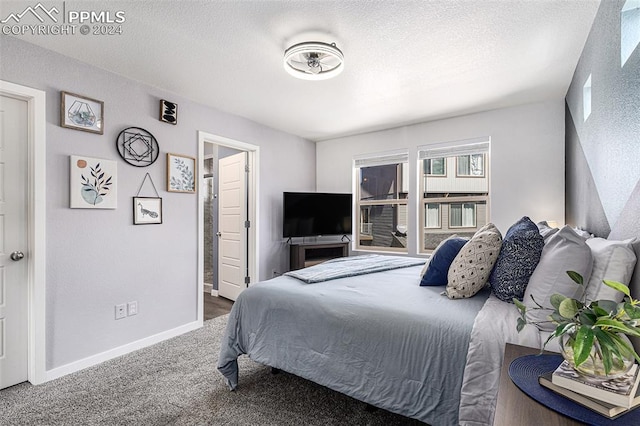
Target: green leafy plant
[596, 325]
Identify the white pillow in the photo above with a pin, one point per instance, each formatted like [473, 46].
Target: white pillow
[545, 230]
[612, 260]
[564, 251]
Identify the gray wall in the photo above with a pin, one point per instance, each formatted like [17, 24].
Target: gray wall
[97, 258]
[526, 160]
[603, 152]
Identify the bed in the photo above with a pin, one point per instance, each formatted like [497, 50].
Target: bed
[381, 338]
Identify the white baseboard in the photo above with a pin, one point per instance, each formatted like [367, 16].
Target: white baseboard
[214, 293]
[72, 367]
[208, 288]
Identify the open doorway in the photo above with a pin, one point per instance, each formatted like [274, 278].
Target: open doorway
[228, 256]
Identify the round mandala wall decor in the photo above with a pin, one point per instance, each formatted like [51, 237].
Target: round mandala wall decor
[137, 147]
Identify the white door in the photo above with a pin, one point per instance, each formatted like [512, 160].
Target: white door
[13, 242]
[232, 233]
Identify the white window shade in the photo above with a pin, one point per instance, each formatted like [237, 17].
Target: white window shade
[453, 149]
[381, 159]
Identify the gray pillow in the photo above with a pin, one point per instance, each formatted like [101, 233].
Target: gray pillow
[565, 251]
[612, 260]
[471, 267]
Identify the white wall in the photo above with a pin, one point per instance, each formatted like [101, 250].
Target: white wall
[97, 258]
[527, 159]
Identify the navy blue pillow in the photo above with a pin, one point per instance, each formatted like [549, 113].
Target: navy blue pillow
[441, 259]
[520, 253]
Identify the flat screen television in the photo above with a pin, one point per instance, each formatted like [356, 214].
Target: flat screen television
[307, 214]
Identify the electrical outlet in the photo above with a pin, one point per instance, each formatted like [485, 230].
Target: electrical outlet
[132, 308]
[121, 311]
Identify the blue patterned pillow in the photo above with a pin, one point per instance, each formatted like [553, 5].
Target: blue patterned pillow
[440, 261]
[519, 256]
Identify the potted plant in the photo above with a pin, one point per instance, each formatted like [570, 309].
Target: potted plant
[593, 336]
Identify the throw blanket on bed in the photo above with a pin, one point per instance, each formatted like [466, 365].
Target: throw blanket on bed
[343, 267]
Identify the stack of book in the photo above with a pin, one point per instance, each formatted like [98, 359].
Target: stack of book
[609, 397]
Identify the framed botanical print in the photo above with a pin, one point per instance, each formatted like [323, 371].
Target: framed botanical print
[81, 113]
[181, 173]
[93, 183]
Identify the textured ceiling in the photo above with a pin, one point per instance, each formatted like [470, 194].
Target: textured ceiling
[405, 61]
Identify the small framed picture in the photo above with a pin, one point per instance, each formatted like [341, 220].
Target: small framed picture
[168, 112]
[181, 173]
[81, 113]
[147, 210]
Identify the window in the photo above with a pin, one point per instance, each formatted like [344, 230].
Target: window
[462, 215]
[382, 190]
[455, 203]
[586, 99]
[471, 165]
[629, 29]
[432, 215]
[435, 167]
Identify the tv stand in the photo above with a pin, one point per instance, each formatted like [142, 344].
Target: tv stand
[304, 255]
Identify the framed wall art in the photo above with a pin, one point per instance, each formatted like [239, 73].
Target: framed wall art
[137, 147]
[81, 113]
[147, 210]
[181, 173]
[168, 112]
[93, 183]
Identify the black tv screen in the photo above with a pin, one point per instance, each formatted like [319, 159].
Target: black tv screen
[308, 214]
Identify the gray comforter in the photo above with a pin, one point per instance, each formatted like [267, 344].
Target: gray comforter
[380, 338]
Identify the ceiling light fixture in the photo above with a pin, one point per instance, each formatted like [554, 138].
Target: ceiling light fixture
[313, 60]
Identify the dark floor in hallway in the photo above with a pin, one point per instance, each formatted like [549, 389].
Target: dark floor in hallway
[215, 306]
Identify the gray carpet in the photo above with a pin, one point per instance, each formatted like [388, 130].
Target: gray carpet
[176, 383]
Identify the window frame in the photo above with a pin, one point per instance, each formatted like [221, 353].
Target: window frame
[430, 173]
[401, 160]
[462, 225]
[444, 192]
[439, 225]
[484, 160]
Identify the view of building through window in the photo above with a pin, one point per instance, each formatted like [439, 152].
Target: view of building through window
[453, 196]
[382, 203]
[453, 203]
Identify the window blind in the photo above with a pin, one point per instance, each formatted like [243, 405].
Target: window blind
[382, 159]
[453, 149]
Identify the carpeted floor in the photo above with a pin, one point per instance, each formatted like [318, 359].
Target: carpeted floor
[176, 383]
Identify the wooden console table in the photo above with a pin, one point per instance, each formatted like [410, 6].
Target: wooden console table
[303, 255]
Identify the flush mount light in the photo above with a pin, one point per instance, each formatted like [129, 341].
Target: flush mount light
[313, 60]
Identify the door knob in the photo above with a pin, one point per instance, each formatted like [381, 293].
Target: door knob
[219, 234]
[16, 255]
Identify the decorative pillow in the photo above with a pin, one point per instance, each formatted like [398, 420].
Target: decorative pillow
[545, 230]
[565, 251]
[441, 258]
[519, 256]
[471, 267]
[612, 260]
